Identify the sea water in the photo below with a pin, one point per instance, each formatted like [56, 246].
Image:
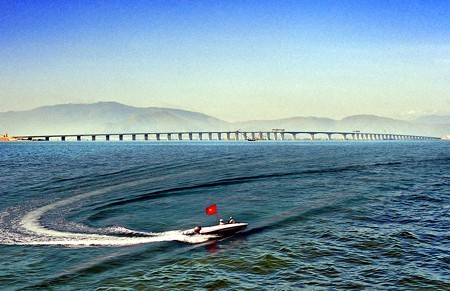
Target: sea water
[322, 214]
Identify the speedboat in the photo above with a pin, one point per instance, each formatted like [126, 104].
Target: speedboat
[222, 229]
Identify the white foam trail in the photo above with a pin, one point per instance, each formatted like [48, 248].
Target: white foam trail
[44, 236]
[109, 240]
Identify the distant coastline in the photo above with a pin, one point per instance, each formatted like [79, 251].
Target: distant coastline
[115, 117]
[6, 137]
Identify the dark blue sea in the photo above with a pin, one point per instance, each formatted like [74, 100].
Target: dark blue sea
[321, 214]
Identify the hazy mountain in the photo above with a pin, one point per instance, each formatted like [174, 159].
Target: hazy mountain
[363, 123]
[104, 117]
[111, 117]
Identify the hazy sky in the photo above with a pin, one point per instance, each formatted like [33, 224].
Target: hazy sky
[235, 60]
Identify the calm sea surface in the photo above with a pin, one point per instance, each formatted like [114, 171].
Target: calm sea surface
[322, 214]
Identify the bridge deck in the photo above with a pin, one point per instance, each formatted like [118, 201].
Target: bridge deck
[229, 135]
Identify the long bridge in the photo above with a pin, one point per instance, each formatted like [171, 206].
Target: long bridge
[227, 135]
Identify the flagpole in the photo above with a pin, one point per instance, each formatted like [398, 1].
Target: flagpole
[212, 209]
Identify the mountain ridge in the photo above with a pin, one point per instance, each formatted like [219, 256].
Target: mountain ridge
[102, 117]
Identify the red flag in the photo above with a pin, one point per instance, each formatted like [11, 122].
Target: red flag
[212, 209]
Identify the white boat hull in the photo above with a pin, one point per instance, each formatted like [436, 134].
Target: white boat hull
[223, 229]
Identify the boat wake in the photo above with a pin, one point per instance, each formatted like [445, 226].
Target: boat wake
[27, 229]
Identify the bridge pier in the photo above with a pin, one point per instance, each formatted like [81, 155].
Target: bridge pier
[158, 136]
[93, 137]
[63, 138]
[146, 136]
[219, 136]
[312, 136]
[180, 136]
[190, 136]
[329, 136]
[169, 136]
[107, 137]
[210, 135]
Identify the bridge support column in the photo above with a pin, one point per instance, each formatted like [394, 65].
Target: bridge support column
[329, 136]
[47, 138]
[158, 136]
[294, 136]
[236, 135]
[190, 136]
[78, 138]
[210, 135]
[180, 136]
[93, 138]
[169, 136]
[219, 136]
[228, 136]
[120, 137]
[200, 136]
[312, 136]
[63, 138]
[269, 137]
[107, 137]
[146, 136]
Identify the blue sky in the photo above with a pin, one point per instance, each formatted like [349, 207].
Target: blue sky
[236, 60]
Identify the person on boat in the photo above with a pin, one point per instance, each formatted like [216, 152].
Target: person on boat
[222, 222]
[232, 220]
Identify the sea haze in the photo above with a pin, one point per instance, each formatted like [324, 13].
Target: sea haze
[112, 117]
[322, 214]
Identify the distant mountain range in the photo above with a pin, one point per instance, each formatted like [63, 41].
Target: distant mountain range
[111, 117]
